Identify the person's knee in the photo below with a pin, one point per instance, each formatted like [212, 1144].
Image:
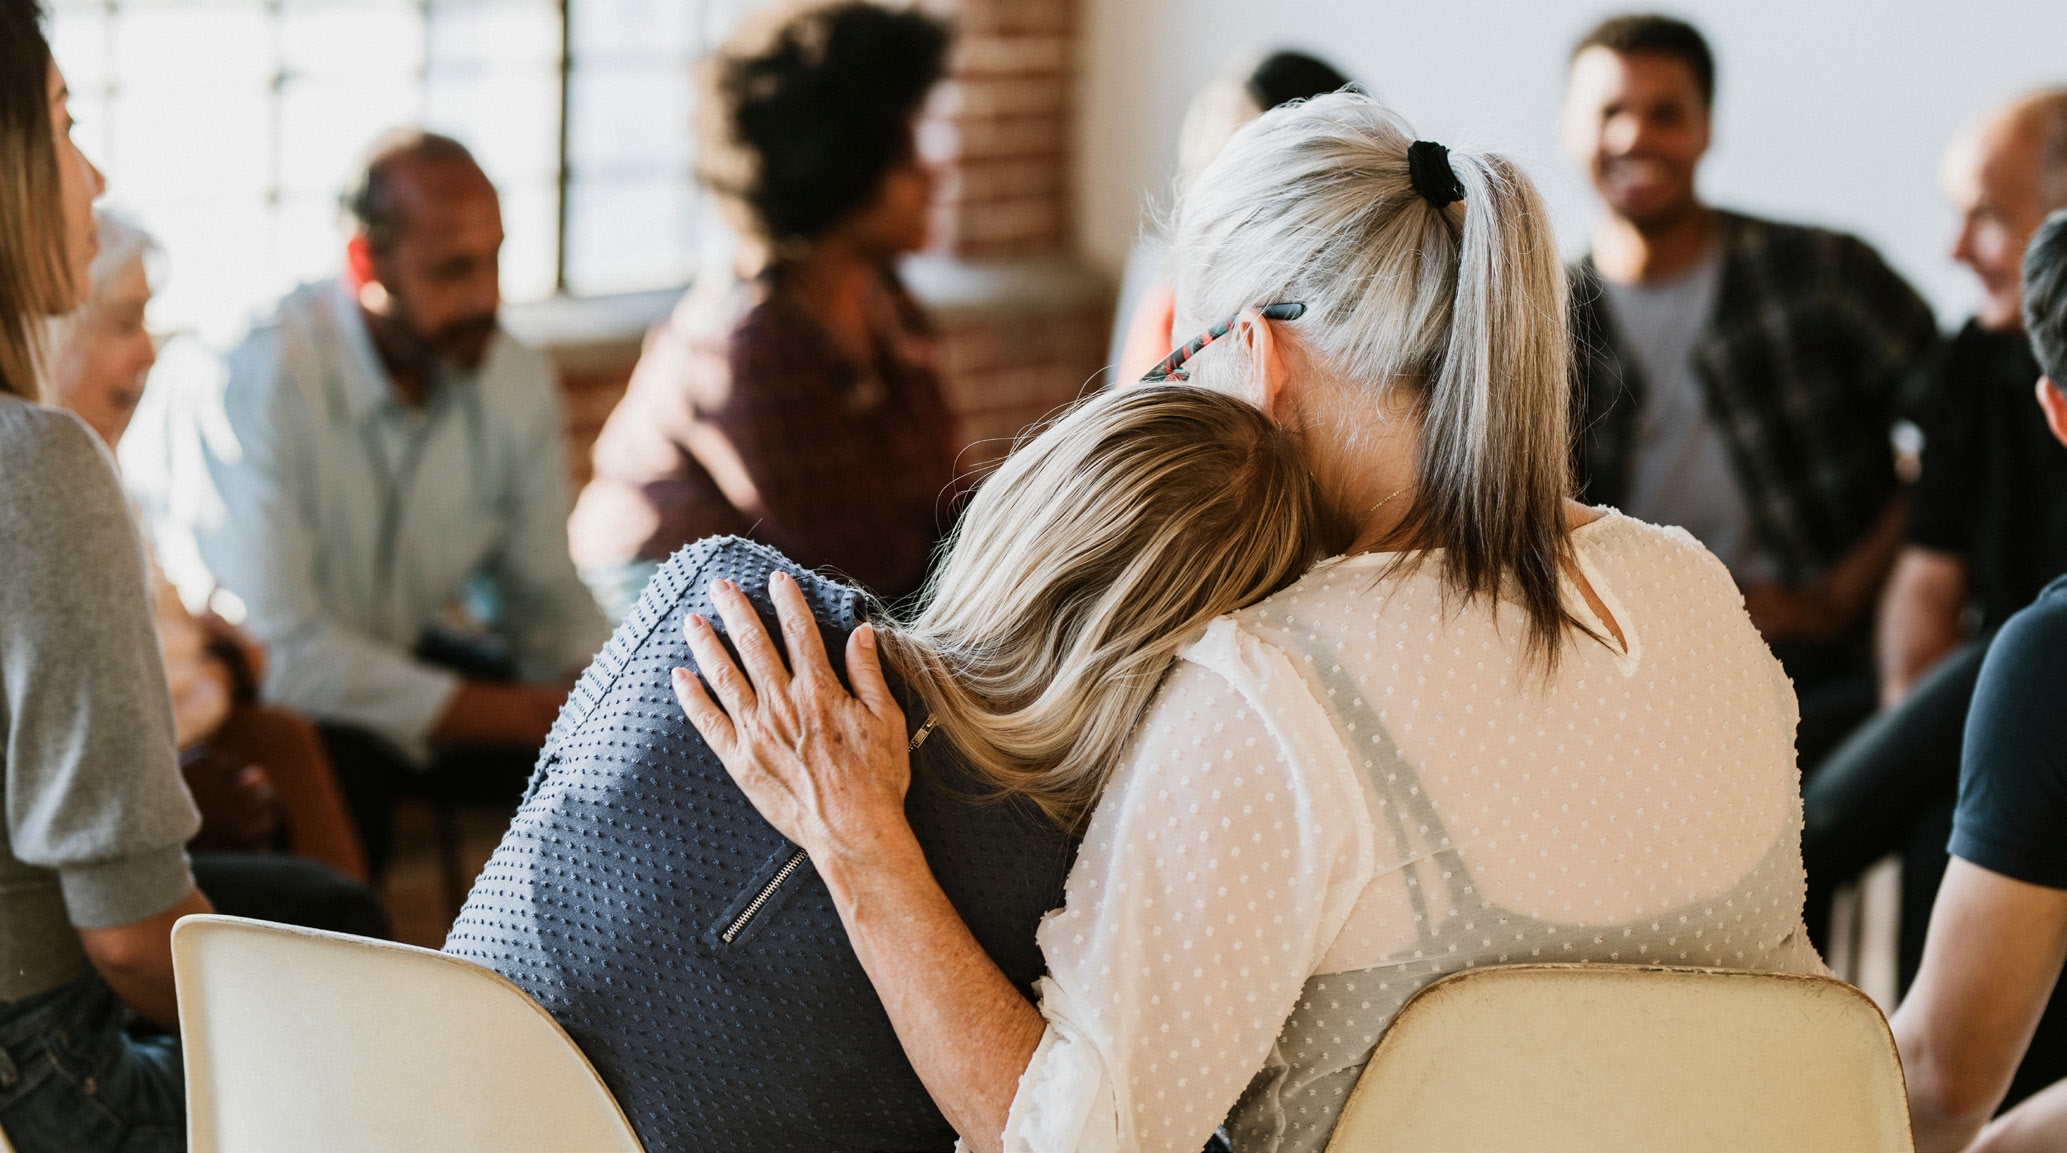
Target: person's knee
[290, 891]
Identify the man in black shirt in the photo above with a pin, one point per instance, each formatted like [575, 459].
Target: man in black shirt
[1998, 933]
[1987, 530]
[1989, 526]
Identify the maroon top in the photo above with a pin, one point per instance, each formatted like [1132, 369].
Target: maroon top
[742, 417]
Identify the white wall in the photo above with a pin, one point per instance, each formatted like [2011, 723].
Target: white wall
[1828, 111]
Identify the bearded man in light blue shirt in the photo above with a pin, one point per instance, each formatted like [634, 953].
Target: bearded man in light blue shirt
[379, 455]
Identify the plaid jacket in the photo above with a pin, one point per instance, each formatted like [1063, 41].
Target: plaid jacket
[1805, 362]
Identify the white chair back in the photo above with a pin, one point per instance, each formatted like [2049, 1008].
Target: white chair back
[326, 1042]
[1628, 1059]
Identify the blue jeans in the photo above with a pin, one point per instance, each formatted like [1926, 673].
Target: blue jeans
[71, 1081]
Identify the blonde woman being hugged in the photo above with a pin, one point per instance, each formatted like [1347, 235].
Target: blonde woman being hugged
[1500, 728]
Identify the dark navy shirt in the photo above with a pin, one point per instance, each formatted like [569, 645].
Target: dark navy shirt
[2012, 816]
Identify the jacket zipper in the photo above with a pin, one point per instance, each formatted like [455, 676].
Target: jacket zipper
[761, 898]
[796, 862]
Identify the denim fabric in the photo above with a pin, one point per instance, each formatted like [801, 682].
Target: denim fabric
[71, 1081]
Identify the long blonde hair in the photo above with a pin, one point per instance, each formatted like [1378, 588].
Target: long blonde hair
[1083, 565]
[32, 230]
[1462, 306]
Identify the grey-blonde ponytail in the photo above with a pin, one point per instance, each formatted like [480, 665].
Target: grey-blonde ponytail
[1463, 305]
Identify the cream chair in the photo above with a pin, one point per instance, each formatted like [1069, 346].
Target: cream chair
[321, 1042]
[1614, 1058]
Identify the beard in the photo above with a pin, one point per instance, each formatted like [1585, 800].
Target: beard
[462, 343]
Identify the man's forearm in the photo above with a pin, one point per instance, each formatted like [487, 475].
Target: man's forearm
[1919, 617]
[2037, 1125]
[1991, 958]
[1856, 580]
[484, 713]
[968, 1032]
[136, 960]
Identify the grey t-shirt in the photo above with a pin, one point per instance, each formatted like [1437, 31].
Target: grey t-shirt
[97, 815]
[1680, 470]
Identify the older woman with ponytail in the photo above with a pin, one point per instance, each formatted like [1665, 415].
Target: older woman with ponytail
[1500, 727]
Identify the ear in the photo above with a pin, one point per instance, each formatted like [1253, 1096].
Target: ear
[2053, 403]
[362, 274]
[359, 262]
[1273, 363]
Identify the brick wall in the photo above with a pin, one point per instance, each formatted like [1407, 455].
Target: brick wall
[589, 389]
[1006, 372]
[1003, 118]
[1002, 121]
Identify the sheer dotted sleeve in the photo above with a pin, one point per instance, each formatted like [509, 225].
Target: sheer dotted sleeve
[1223, 859]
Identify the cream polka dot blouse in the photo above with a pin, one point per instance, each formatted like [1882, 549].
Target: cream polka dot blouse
[1356, 787]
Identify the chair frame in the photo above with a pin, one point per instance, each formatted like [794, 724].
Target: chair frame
[1395, 1039]
[187, 938]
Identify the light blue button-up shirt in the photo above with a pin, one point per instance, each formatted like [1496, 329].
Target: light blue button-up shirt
[348, 523]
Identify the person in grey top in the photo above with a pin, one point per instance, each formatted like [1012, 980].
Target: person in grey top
[379, 456]
[93, 870]
[1736, 376]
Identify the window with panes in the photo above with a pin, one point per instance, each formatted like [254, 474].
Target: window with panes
[228, 129]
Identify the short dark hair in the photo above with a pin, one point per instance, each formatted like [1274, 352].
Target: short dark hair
[1662, 35]
[1285, 76]
[2045, 297]
[372, 203]
[805, 111]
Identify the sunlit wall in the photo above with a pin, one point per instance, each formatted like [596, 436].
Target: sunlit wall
[228, 128]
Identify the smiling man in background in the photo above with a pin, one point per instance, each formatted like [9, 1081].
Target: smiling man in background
[1739, 377]
[382, 463]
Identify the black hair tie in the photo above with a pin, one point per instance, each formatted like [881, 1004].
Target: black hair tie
[1428, 167]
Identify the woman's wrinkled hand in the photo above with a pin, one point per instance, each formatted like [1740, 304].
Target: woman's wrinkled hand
[827, 768]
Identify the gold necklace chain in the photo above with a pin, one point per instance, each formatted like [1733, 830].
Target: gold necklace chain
[1381, 504]
[1388, 496]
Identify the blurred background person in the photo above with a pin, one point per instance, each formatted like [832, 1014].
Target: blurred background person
[798, 399]
[1998, 932]
[1737, 377]
[247, 763]
[386, 494]
[1987, 531]
[1141, 332]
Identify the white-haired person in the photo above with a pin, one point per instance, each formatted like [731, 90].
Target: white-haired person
[1500, 727]
[1143, 321]
[247, 762]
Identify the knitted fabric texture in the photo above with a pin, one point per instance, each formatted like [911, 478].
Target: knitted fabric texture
[691, 951]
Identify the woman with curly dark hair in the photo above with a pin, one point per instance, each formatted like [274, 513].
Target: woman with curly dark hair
[796, 401]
